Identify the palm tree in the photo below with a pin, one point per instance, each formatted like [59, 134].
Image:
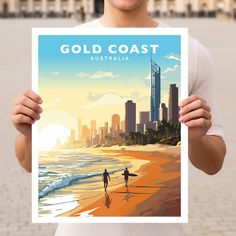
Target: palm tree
[150, 133]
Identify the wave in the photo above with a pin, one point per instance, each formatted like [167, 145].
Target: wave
[63, 182]
[80, 164]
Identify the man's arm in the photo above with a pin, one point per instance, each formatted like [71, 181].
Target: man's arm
[26, 110]
[23, 152]
[206, 152]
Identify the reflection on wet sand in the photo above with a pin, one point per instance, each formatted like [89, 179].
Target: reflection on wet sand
[108, 200]
[128, 195]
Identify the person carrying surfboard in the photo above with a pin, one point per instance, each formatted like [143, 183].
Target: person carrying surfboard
[105, 176]
[126, 176]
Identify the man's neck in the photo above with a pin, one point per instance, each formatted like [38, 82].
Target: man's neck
[138, 17]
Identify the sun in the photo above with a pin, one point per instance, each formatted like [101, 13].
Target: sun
[50, 134]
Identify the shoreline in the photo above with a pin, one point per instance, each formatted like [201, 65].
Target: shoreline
[158, 180]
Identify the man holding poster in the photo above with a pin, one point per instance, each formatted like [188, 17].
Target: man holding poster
[198, 112]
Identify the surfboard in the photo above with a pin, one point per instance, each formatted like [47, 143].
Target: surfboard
[131, 174]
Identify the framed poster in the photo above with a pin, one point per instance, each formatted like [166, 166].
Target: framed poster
[109, 146]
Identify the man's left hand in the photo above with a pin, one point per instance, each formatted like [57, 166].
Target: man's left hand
[195, 113]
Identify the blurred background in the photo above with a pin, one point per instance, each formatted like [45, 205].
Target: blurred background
[85, 9]
[212, 199]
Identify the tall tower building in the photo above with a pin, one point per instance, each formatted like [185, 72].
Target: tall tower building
[115, 121]
[173, 105]
[163, 112]
[155, 90]
[130, 117]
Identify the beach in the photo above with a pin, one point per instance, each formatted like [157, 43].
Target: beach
[154, 192]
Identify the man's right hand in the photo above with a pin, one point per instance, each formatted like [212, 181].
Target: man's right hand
[26, 110]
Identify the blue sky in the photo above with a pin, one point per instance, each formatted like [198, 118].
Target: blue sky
[67, 67]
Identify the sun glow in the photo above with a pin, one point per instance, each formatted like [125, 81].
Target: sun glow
[49, 136]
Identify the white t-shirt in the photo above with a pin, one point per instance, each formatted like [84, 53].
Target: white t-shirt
[201, 77]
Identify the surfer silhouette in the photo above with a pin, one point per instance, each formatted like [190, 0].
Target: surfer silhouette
[126, 176]
[105, 179]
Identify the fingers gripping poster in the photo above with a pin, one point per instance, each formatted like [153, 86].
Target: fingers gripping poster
[108, 146]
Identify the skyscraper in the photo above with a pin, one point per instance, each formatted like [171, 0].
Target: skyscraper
[144, 116]
[115, 121]
[130, 117]
[173, 105]
[155, 90]
[163, 112]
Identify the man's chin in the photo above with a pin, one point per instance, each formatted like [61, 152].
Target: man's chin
[126, 5]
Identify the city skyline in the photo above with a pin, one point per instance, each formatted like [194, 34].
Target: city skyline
[94, 135]
[73, 86]
[98, 135]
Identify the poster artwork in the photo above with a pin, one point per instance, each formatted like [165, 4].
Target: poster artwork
[109, 146]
